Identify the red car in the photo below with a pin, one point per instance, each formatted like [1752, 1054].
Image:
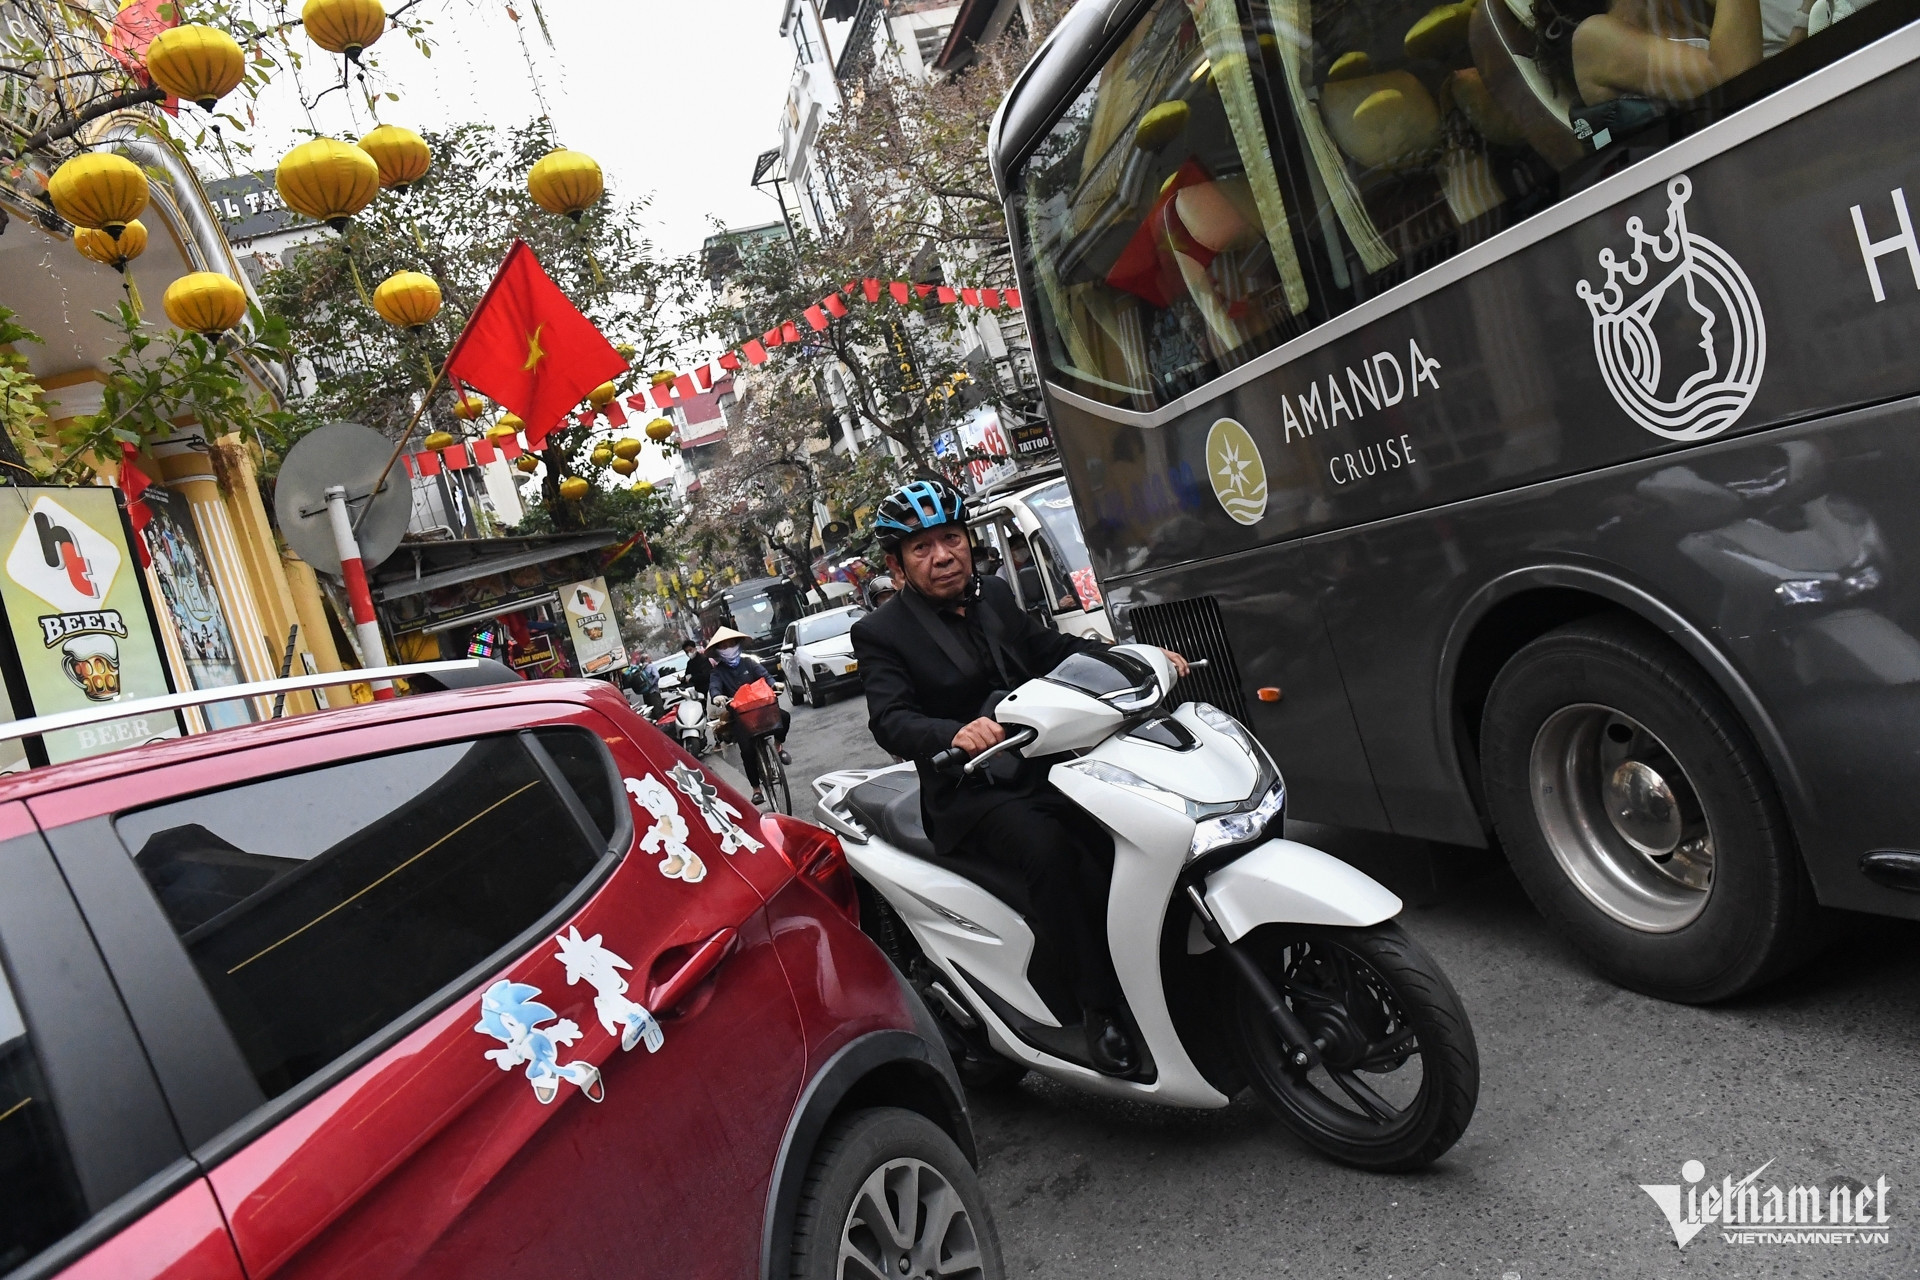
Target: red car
[484, 983]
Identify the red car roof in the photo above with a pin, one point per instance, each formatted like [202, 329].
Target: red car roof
[420, 706]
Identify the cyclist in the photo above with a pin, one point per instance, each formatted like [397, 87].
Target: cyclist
[733, 670]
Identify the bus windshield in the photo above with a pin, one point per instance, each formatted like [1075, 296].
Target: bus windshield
[762, 615]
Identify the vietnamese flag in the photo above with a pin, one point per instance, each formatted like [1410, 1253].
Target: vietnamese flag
[528, 348]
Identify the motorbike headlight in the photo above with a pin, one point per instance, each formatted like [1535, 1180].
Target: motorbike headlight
[1240, 827]
[1127, 780]
[1804, 591]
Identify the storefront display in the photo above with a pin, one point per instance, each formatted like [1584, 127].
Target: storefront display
[192, 604]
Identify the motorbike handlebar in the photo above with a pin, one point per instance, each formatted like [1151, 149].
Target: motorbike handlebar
[945, 761]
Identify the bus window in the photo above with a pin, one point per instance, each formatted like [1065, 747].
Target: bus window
[1240, 170]
[1164, 248]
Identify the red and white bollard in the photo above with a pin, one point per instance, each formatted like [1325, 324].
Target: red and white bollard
[373, 650]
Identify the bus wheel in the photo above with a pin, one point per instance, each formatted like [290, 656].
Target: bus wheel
[1638, 814]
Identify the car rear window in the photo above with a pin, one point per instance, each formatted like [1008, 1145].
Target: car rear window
[321, 906]
[587, 769]
[40, 1198]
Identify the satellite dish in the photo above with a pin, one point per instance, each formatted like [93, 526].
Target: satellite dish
[352, 456]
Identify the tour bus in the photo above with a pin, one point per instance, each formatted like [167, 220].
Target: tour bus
[1515, 400]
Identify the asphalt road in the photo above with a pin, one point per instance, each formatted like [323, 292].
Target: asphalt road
[1586, 1092]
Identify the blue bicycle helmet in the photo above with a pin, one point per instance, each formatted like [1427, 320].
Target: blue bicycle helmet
[916, 506]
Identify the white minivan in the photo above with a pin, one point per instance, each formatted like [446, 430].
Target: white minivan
[1030, 536]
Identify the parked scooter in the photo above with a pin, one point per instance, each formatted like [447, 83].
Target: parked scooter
[685, 718]
[1245, 958]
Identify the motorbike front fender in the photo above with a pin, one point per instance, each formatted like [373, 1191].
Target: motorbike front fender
[1286, 882]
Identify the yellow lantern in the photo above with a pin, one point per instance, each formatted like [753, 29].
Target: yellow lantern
[661, 377]
[625, 466]
[205, 302]
[401, 155]
[511, 422]
[601, 455]
[99, 190]
[627, 447]
[699, 577]
[104, 249]
[527, 462]
[467, 408]
[573, 488]
[499, 431]
[624, 350]
[643, 486]
[197, 63]
[601, 396]
[344, 26]
[659, 429]
[565, 182]
[407, 299]
[327, 180]
[440, 440]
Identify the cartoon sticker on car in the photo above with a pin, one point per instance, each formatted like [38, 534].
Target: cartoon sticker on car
[668, 833]
[510, 1014]
[587, 961]
[721, 816]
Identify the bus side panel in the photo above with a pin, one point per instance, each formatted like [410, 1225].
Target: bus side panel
[1279, 640]
[1728, 538]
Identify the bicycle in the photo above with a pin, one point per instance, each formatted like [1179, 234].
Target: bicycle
[761, 724]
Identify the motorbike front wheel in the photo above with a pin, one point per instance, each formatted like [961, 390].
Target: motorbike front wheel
[1399, 1074]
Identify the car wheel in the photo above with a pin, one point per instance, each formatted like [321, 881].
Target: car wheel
[1638, 813]
[889, 1194]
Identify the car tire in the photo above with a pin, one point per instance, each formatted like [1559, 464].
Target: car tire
[888, 1184]
[1640, 817]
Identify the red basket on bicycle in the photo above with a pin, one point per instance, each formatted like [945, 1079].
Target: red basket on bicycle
[756, 721]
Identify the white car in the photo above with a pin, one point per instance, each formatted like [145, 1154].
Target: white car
[817, 654]
[1025, 530]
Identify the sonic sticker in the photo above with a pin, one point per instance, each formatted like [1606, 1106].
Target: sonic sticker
[668, 832]
[510, 1014]
[587, 961]
[721, 816]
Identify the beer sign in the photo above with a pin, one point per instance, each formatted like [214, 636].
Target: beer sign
[77, 617]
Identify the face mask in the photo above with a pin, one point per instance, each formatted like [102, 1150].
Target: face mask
[731, 655]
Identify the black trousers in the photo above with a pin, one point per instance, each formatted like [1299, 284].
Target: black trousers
[1066, 859]
[749, 758]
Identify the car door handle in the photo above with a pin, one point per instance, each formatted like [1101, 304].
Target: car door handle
[705, 959]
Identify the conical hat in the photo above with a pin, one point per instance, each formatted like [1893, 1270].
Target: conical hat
[725, 635]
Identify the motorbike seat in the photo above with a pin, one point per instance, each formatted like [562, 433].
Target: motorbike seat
[889, 806]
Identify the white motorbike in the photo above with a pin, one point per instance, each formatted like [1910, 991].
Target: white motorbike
[685, 719]
[1245, 958]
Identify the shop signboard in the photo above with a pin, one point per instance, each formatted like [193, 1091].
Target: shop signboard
[980, 434]
[192, 605]
[1031, 437]
[597, 646]
[77, 616]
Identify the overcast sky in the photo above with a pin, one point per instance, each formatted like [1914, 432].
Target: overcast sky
[674, 99]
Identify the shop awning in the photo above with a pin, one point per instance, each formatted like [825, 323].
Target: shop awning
[420, 567]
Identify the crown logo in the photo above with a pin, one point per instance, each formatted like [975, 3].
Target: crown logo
[1720, 304]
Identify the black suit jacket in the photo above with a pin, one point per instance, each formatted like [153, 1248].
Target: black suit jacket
[918, 698]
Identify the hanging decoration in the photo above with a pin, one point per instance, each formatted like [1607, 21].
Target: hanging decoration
[566, 182]
[467, 408]
[200, 64]
[205, 302]
[625, 466]
[407, 300]
[109, 252]
[327, 180]
[601, 396]
[401, 154]
[528, 463]
[627, 448]
[438, 440]
[659, 429]
[344, 26]
[573, 488]
[99, 190]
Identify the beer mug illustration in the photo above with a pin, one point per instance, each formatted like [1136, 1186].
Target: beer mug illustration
[93, 663]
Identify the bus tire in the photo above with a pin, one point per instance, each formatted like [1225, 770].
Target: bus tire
[1638, 814]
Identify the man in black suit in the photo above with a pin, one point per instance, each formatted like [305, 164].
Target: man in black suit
[935, 661]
